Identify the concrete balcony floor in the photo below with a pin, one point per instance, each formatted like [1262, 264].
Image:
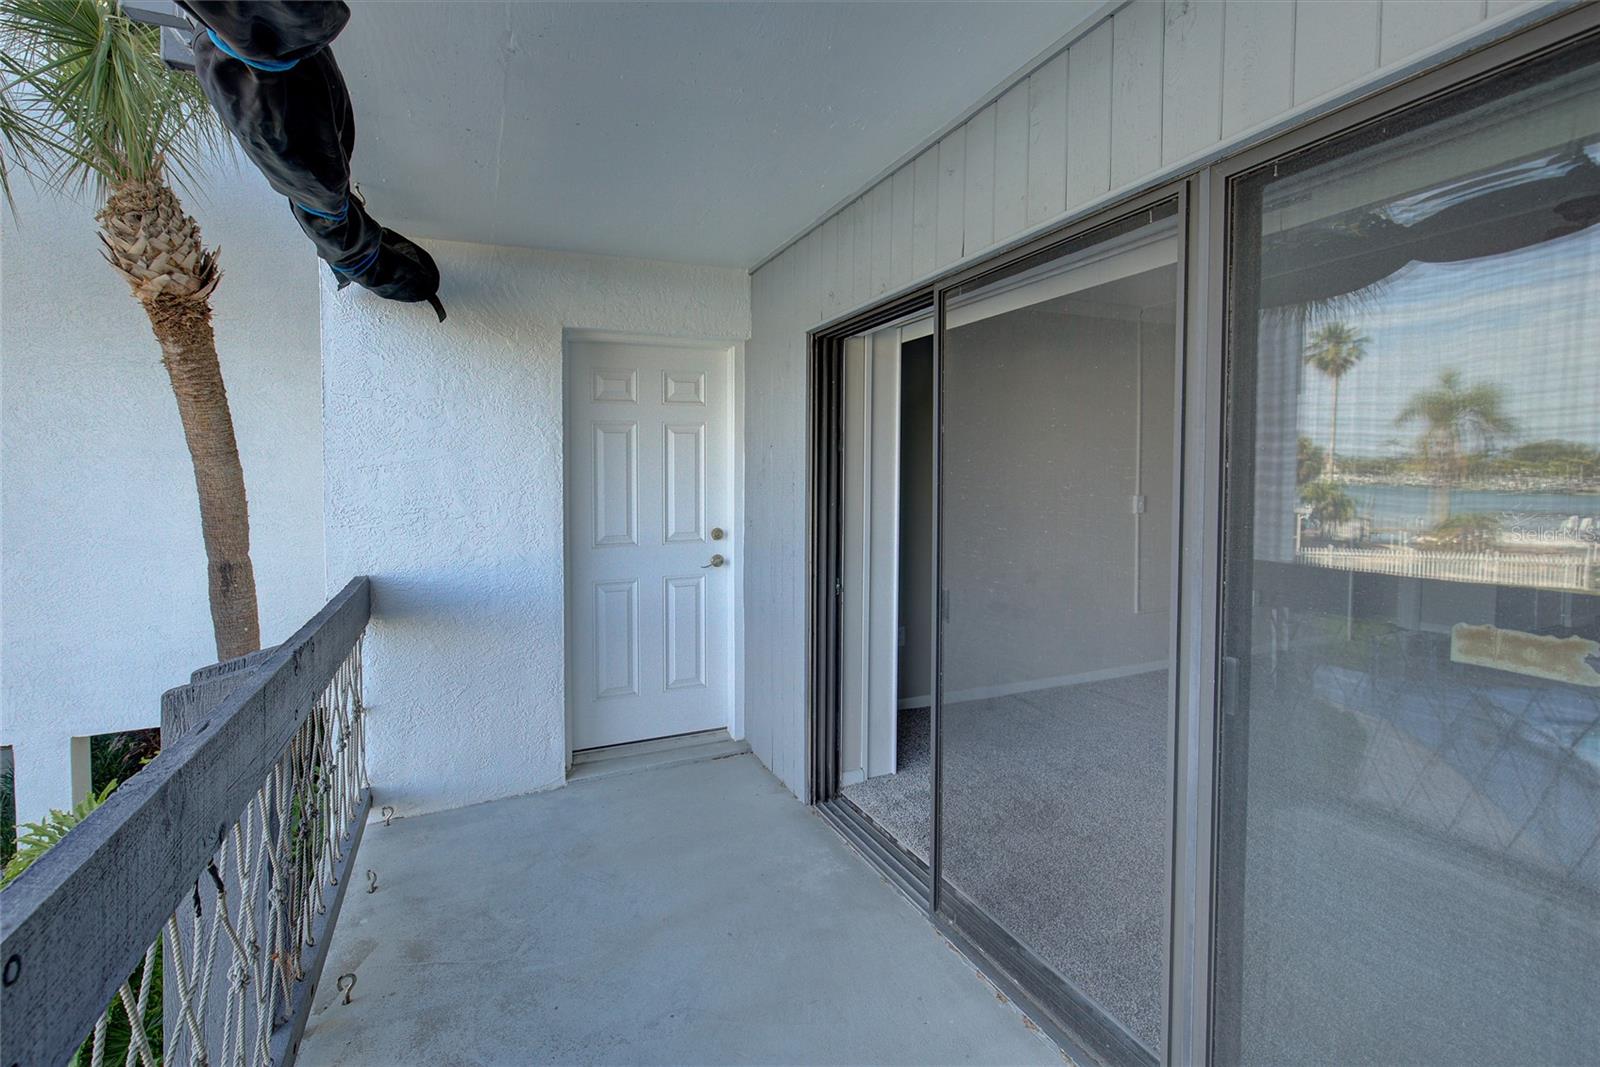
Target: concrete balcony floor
[689, 914]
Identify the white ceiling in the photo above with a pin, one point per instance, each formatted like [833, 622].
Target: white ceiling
[699, 132]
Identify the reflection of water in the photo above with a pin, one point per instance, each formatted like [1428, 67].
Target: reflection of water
[1411, 507]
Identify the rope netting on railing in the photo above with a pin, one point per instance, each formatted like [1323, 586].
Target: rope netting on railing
[219, 985]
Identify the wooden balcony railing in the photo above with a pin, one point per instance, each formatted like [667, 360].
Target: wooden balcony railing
[221, 866]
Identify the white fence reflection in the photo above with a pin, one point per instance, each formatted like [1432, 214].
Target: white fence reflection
[1575, 572]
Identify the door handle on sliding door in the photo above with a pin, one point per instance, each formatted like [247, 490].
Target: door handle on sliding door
[1230, 685]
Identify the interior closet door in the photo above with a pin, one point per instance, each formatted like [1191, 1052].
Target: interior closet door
[1058, 393]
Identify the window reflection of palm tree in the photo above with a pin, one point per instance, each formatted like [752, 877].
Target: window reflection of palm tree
[1334, 350]
[1454, 416]
[1329, 505]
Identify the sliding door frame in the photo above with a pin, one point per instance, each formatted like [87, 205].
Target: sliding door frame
[1050, 997]
[1014, 968]
[1072, 1019]
[1201, 687]
[825, 590]
[1198, 1036]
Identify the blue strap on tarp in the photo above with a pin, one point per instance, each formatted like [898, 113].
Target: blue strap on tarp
[363, 265]
[344, 210]
[273, 65]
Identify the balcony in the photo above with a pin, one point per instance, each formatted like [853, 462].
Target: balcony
[686, 912]
[1123, 478]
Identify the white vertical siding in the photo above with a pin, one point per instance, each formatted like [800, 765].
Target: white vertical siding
[952, 197]
[925, 213]
[1089, 116]
[901, 234]
[1409, 26]
[880, 211]
[1047, 141]
[979, 210]
[833, 298]
[1157, 83]
[1320, 67]
[861, 233]
[1137, 41]
[1257, 63]
[811, 293]
[1011, 162]
[1191, 78]
[774, 547]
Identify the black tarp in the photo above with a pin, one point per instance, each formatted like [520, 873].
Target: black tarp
[268, 69]
[1510, 207]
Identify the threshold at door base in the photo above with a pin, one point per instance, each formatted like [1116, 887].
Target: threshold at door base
[593, 763]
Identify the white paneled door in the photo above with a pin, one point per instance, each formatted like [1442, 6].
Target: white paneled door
[650, 552]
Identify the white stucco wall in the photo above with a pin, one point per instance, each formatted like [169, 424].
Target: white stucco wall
[1151, 91]
[102, 571]
[444, 485]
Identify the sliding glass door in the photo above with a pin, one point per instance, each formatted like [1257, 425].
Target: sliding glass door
[1340, 801]
[1058, 404]
[1408, 862]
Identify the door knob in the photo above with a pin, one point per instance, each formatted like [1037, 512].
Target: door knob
[716, 561]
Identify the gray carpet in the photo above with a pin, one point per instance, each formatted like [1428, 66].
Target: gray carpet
[902, 803]
[1054, 812]
[1054, 817]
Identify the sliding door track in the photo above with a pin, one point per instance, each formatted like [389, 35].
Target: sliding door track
[1002, 968]
[909, 874]
[1081, 1027]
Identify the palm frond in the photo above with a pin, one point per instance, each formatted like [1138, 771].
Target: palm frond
[85, 100]
[34, 839]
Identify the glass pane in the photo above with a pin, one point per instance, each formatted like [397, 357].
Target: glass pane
[1058, 393]
[1409, 858]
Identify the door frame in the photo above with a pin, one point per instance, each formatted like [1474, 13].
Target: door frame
[825, 424]
[1198, 671]
[736, 466]
[875, 539]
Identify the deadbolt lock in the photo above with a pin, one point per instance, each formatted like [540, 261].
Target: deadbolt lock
[717, 534]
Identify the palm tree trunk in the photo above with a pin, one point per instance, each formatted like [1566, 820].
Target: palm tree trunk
[189, 352]
[156, 247]
[1331, 467]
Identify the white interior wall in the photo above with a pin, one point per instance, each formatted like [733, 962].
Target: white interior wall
[103, 573]
[1041, 461]
[444, 458]
[1150, 90]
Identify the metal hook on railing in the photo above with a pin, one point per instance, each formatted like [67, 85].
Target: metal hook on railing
[387, 811]
[372, 880]
[344, 987]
